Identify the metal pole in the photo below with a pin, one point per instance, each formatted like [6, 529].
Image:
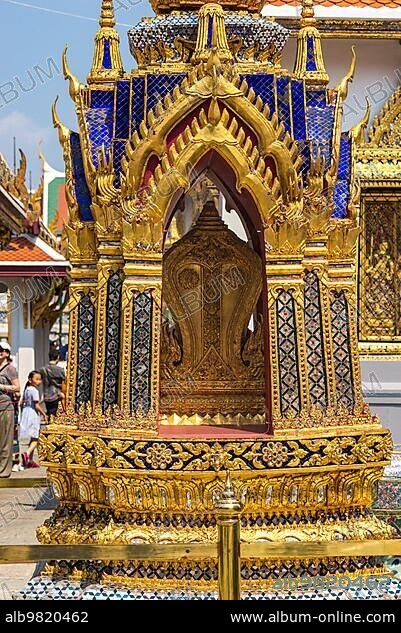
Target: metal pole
[228, 509]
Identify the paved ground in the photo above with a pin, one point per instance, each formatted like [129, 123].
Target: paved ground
[22, 510]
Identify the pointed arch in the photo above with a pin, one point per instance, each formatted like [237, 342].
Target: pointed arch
[211, 110]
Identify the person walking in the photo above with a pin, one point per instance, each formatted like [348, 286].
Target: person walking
[9, 390]
[53, 377]
[32, 411]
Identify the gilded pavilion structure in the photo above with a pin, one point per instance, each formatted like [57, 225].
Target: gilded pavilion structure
[194, 351]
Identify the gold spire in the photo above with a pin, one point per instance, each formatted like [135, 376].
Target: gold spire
[309, 63]
[107, 64]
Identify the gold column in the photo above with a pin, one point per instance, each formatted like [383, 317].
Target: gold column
[141, 277]
[284, 271]
[228, 510]
[342, 277]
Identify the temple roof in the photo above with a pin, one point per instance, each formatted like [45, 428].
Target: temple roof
[32, 256]
[352, 9]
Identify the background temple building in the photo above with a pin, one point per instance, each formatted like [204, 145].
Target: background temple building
[33, 271]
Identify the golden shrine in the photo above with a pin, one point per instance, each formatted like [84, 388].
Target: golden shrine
[192, 351]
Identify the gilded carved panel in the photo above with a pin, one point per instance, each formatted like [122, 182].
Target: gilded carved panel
[380, 268]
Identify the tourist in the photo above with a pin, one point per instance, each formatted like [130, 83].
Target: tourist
[9, 390]
[31, 414]
[53, 377]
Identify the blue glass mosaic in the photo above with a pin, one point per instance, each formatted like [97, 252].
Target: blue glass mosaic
[342, 188]
[118, 153]
[122, 129]
[320, 129]
[298, 109]
[102, 99]
[263, 85]
[283, 102]
[310, 54]
[160, 85]
[138, 102]
[107, 56]
[99, 118]
[316, 98]
[305, 152]
[344, 165]
[81, 188]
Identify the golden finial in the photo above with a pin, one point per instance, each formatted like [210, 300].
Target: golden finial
[308, 13]
[107, 19]
[358, 131]
[74, 83]
[63, 131]
[342, 87]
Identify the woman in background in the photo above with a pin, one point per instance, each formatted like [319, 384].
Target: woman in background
[31, 414]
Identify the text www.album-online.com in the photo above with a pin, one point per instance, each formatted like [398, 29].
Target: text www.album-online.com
[338, 617]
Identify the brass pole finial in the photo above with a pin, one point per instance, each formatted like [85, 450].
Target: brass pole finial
[308, 13]
[107, 19]
[228, 510]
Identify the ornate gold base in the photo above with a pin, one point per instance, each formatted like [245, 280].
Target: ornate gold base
[305, 486]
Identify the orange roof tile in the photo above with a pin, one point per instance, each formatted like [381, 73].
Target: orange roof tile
[373, 4]
[20, 249]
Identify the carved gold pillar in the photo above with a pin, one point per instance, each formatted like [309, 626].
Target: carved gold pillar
[285, 288]
[141, 314]
[343, 303]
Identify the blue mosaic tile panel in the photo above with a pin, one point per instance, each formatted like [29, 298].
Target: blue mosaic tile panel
[99, 118]
[263, 86]
[283, 102]
[160, 85]
[118, 153]
[138, 102]
[102, 99]
[81, 188]
[310, 54]
[298, 109]
[122, 129]
[342, 189]
[316, 98]
[320, 129]
[106, 56]
[99, 123]
[344, 165]
[305, 152]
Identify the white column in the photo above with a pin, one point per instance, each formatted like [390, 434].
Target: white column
[22, 340]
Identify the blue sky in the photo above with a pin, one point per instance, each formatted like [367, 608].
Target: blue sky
[31, 44]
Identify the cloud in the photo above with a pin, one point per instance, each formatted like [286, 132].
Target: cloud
[28, 135]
